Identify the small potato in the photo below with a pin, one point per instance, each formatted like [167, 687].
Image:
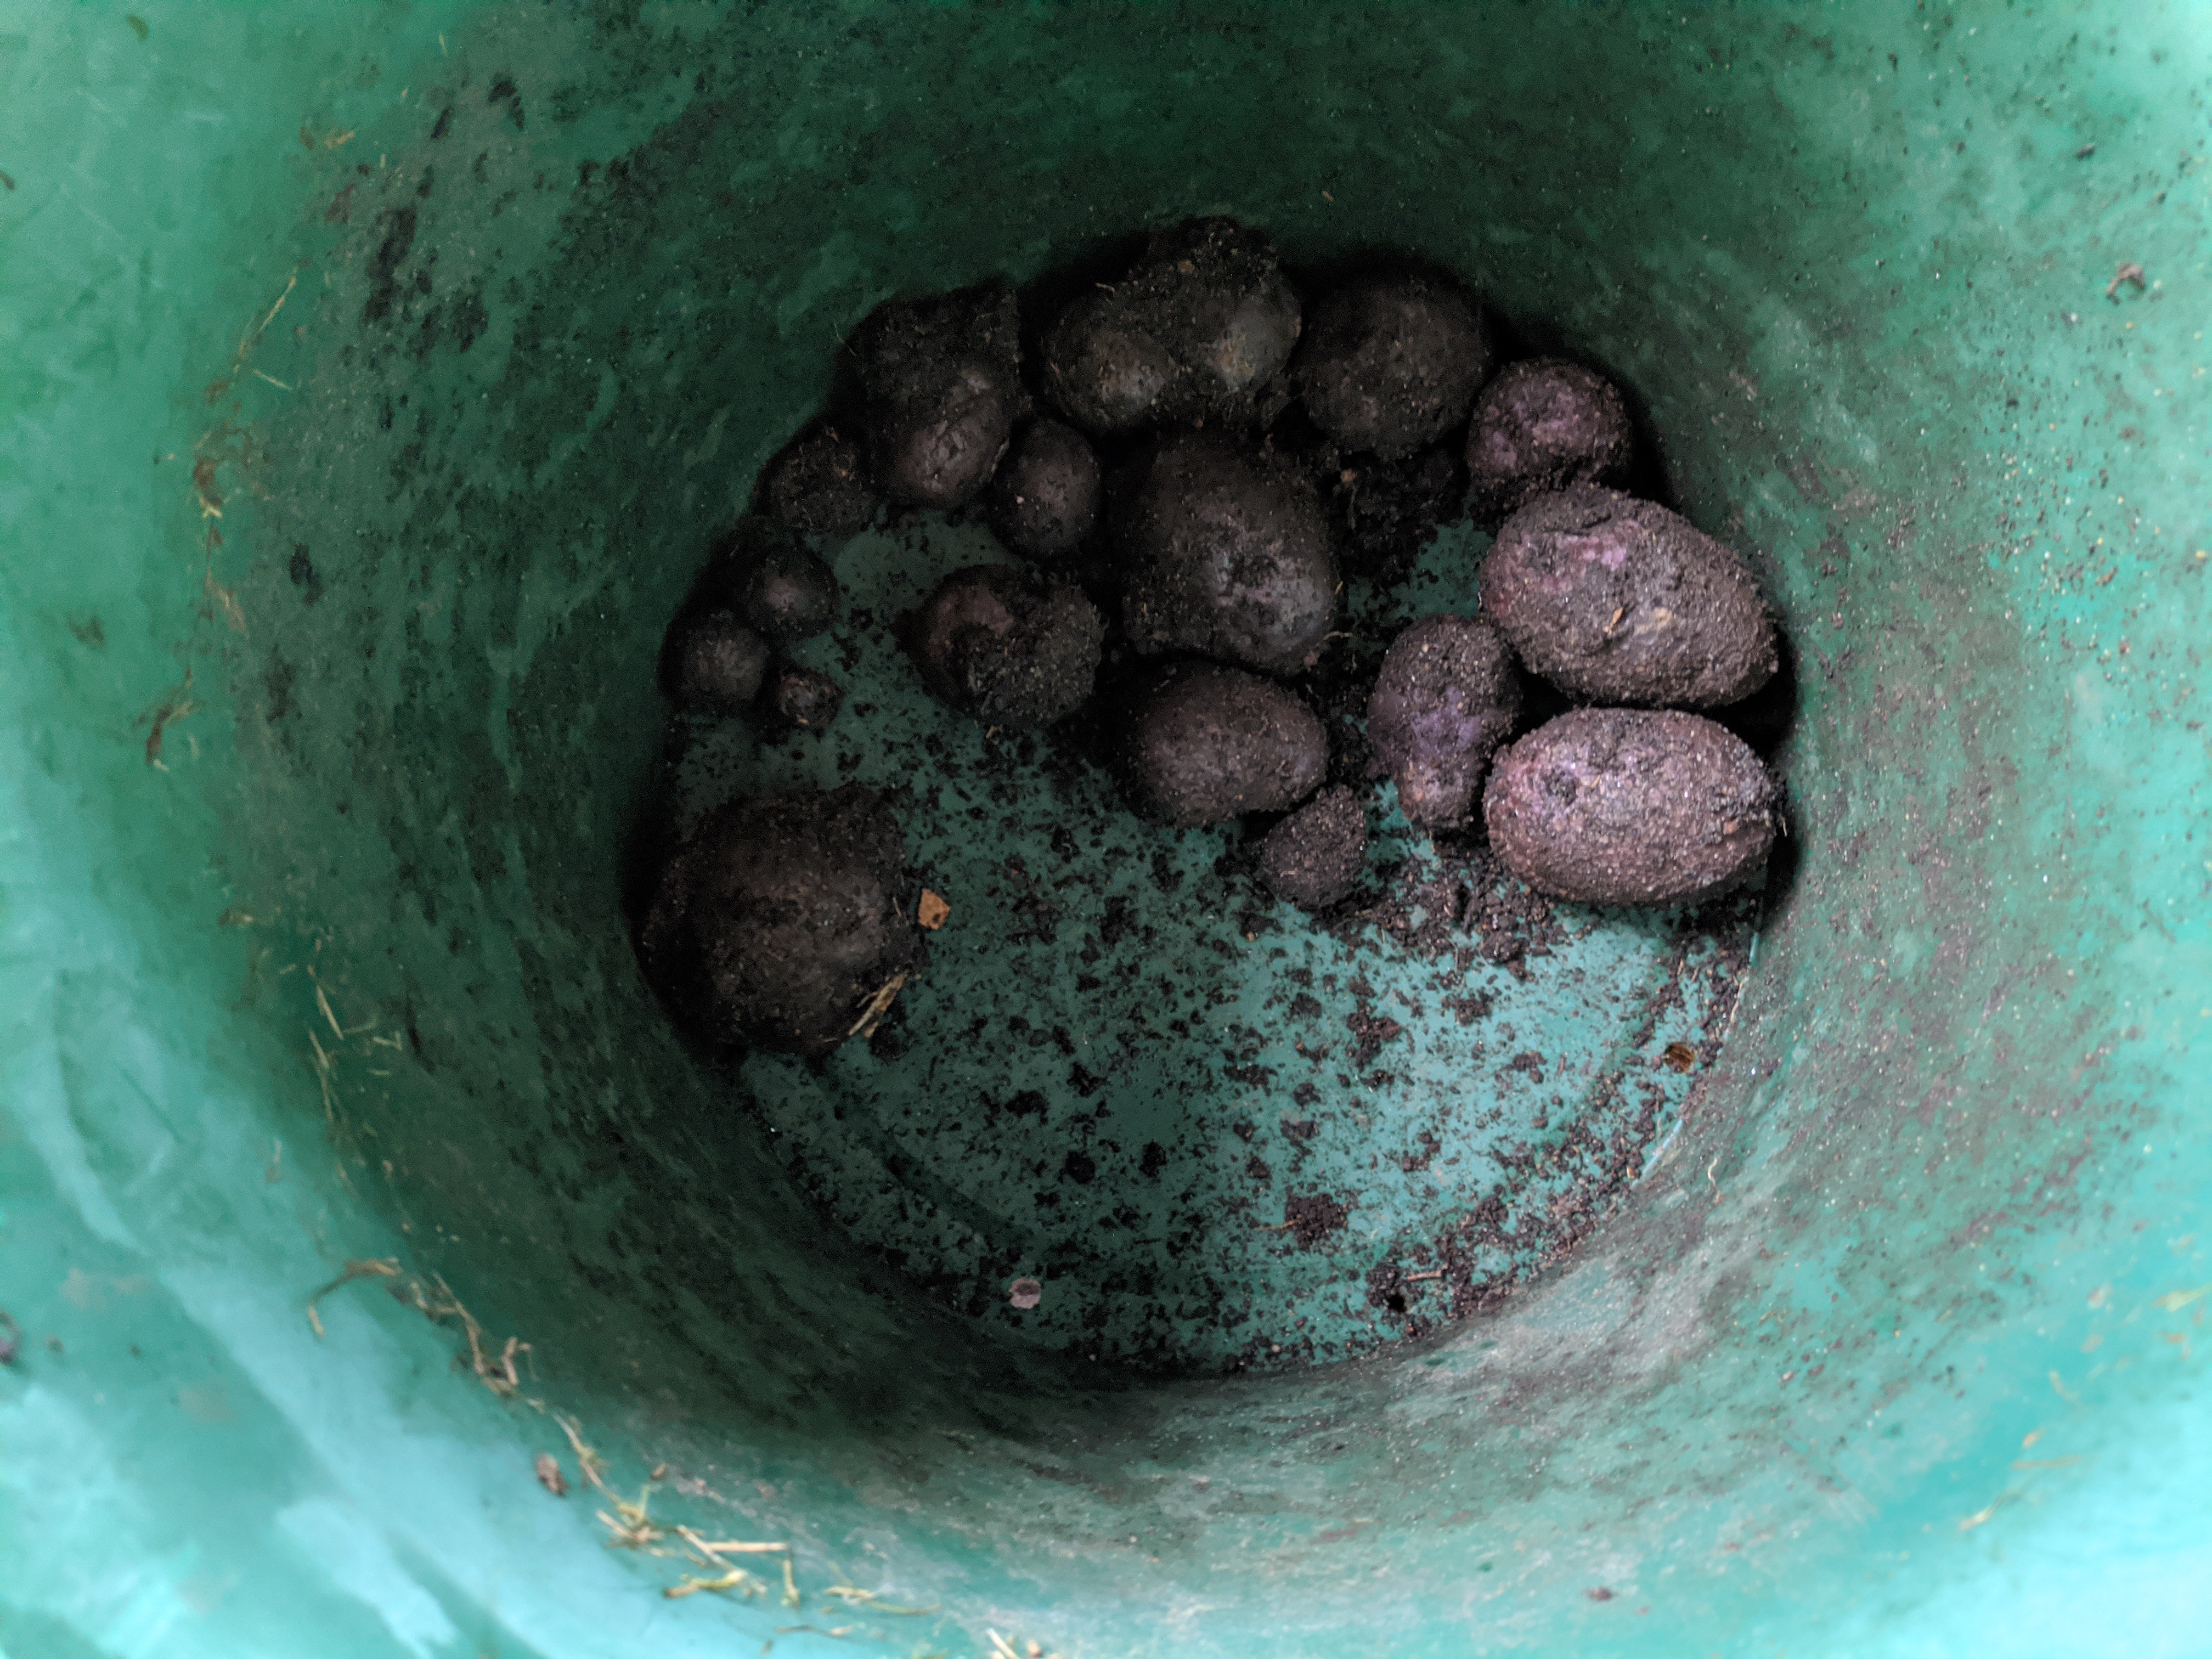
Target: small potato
[1630, 806]
[1620, 601]
[995, 643]
[1391, 362]
[1543, 425]
[1226, 555]
[1313, 858]
[713, 663]
[778, 587]
[1193, 332]
[1205, 742]
[1447, 696]
[1046, 496]
[777, 918]
[819, 484]
[943, 381]
[802, 699]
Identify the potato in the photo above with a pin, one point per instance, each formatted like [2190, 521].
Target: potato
[1205, 742]
[1391, 362]
[1313, 858]
[1046, 494]
[713, 664]
[1192, 332]
[1616, 600]
[942, 382]
[1447, 696]
[1543, 425]
[819, 484]
[778, 587]
[1224, 553]
[1630, 806]
[996, 643]
[802, 699]
[777, 918]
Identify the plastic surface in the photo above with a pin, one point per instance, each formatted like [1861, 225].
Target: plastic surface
[327, 698]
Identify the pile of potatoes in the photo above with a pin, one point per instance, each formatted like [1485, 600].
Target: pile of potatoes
[1161, 459]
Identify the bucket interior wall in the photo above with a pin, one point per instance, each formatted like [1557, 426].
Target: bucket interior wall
[370, 377]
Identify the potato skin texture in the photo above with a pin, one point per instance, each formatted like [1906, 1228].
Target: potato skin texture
[1196, 330]
[1204, 743]
[713, 664]
[942, 377]
[1447, 696]
[1630, 806]
[778, 917]
[1225, 554]
[820, 485]
[1313, 858]
[1046, 496]
[1391, 362]
[1616, 600]
[1544, 424]
[995, 642]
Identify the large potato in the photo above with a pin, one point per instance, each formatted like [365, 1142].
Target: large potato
[1630, 806]
[1205, 742]
[1616, 600]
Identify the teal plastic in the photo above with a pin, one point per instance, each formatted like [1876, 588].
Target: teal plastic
[315, 956]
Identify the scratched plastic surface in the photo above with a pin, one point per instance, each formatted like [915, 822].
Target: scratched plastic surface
[367, 373]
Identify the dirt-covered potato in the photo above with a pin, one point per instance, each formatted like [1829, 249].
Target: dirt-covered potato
[1046, 494]
[801, 698]
[1226, 554]
[778, 587]
[1313, 857]
[1618, 600]
[1193, 332]
[1391, 362]
[1204, 743]
[777, 919]
[819, 484]
[713, 664]
[1447, 696]
[1630, 806]
[942, 378]
[995, 643]
[1544, 424]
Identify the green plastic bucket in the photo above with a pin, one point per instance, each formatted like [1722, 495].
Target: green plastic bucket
[370, 375]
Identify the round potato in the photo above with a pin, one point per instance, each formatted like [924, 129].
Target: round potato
[1046, 496]
[1226, 555]
[777, 919]
[1391, 362]
[1544, 424]
[1313, 858]
[1630, 806]
[1205, 742]
[1616, 600]
[993, 642]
